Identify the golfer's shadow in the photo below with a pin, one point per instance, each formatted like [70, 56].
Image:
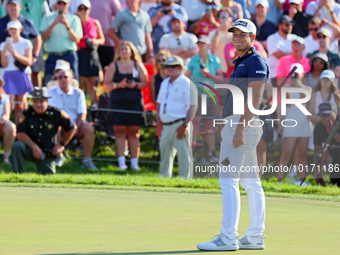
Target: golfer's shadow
[130, 253]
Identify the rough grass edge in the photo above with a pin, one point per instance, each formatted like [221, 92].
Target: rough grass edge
[162, 189]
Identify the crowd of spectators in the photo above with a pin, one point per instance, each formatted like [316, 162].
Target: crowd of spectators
[81, 38]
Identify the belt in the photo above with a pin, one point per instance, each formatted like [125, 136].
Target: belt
[172, 122]
[60, 53]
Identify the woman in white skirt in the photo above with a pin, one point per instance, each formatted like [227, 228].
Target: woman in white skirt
[16, 57]
[296, 137]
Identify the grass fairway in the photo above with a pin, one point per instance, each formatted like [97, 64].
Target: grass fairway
[85, 221]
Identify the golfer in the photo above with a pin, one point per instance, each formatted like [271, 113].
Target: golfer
[238, 148]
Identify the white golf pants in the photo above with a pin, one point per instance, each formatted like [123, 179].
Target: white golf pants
[242, 168]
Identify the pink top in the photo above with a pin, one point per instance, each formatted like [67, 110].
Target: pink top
[229, 52]
[89, 31]
[286, 62]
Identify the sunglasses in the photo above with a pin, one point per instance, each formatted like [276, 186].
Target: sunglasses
[317, 60]
[39, 101]
[325, 114]
[288, 24]
[212, 6]
[313, 29]
[161, 60]
[173, 66]
[83, 9]
[60, 3]
[61, 77]
[224, 16]
[322, 36]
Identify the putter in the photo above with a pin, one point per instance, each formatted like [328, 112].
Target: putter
[226, 161]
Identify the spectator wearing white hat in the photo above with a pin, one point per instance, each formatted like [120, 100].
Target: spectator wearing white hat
[274, 12]
[16, 57]
[65, 66]
[318, 63]
[90, 69]
[300, 18]
[264, 27]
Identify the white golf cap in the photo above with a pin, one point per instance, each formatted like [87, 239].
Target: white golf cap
[295, 1]
[299, 40]
[204, 39]
[62, 65]
[327, 74]
[244, 25]
[14, 24]
[299, 68]
[264, 3]
[84, 2]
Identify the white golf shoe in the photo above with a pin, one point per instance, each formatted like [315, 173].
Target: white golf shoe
[247, 242]
[219, 243]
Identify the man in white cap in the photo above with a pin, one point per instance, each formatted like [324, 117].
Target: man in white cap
[264, 27]
[238, 147]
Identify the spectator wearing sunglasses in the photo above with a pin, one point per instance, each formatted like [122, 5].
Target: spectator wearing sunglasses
[324, 39]
[318, 63]
[264, 27]
[179, 42]
[61, 33]
[155, 82]
[93, 36]
[311, 40]
[328, 119]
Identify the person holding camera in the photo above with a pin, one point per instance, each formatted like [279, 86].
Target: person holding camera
[125, 78]
[93, 36]
[61, 33]
[161, 17]
[37, 135]
[296, 137]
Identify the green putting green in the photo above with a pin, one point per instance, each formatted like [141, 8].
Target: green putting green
[89, 221]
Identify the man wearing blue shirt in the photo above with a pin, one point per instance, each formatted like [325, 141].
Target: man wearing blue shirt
[240, 136]
[161, 16]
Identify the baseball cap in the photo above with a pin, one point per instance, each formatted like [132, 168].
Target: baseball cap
[327, 74]
[325, 32]
[244, 25]
[65, 1]
[285, 18]
[173, 61]
[14, 2]
[264, 3]
[204, 39]
[295, 1]
[299, 40]
[178, 16]
[320, 55]
[14, 24]
[299, 68]
[39, 93]
[326, 108]
[84, 2]
[62, 65]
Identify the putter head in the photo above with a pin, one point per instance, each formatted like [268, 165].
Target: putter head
[225, 162]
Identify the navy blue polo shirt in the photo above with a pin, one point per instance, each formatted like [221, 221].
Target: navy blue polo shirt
[28, 29]
[248, 68]
[268, 28]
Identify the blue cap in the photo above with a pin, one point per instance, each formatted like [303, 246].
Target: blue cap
[14, 2]
[178, 16]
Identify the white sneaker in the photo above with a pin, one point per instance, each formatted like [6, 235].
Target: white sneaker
[123, 167]
[247, 242]
[219, 243]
